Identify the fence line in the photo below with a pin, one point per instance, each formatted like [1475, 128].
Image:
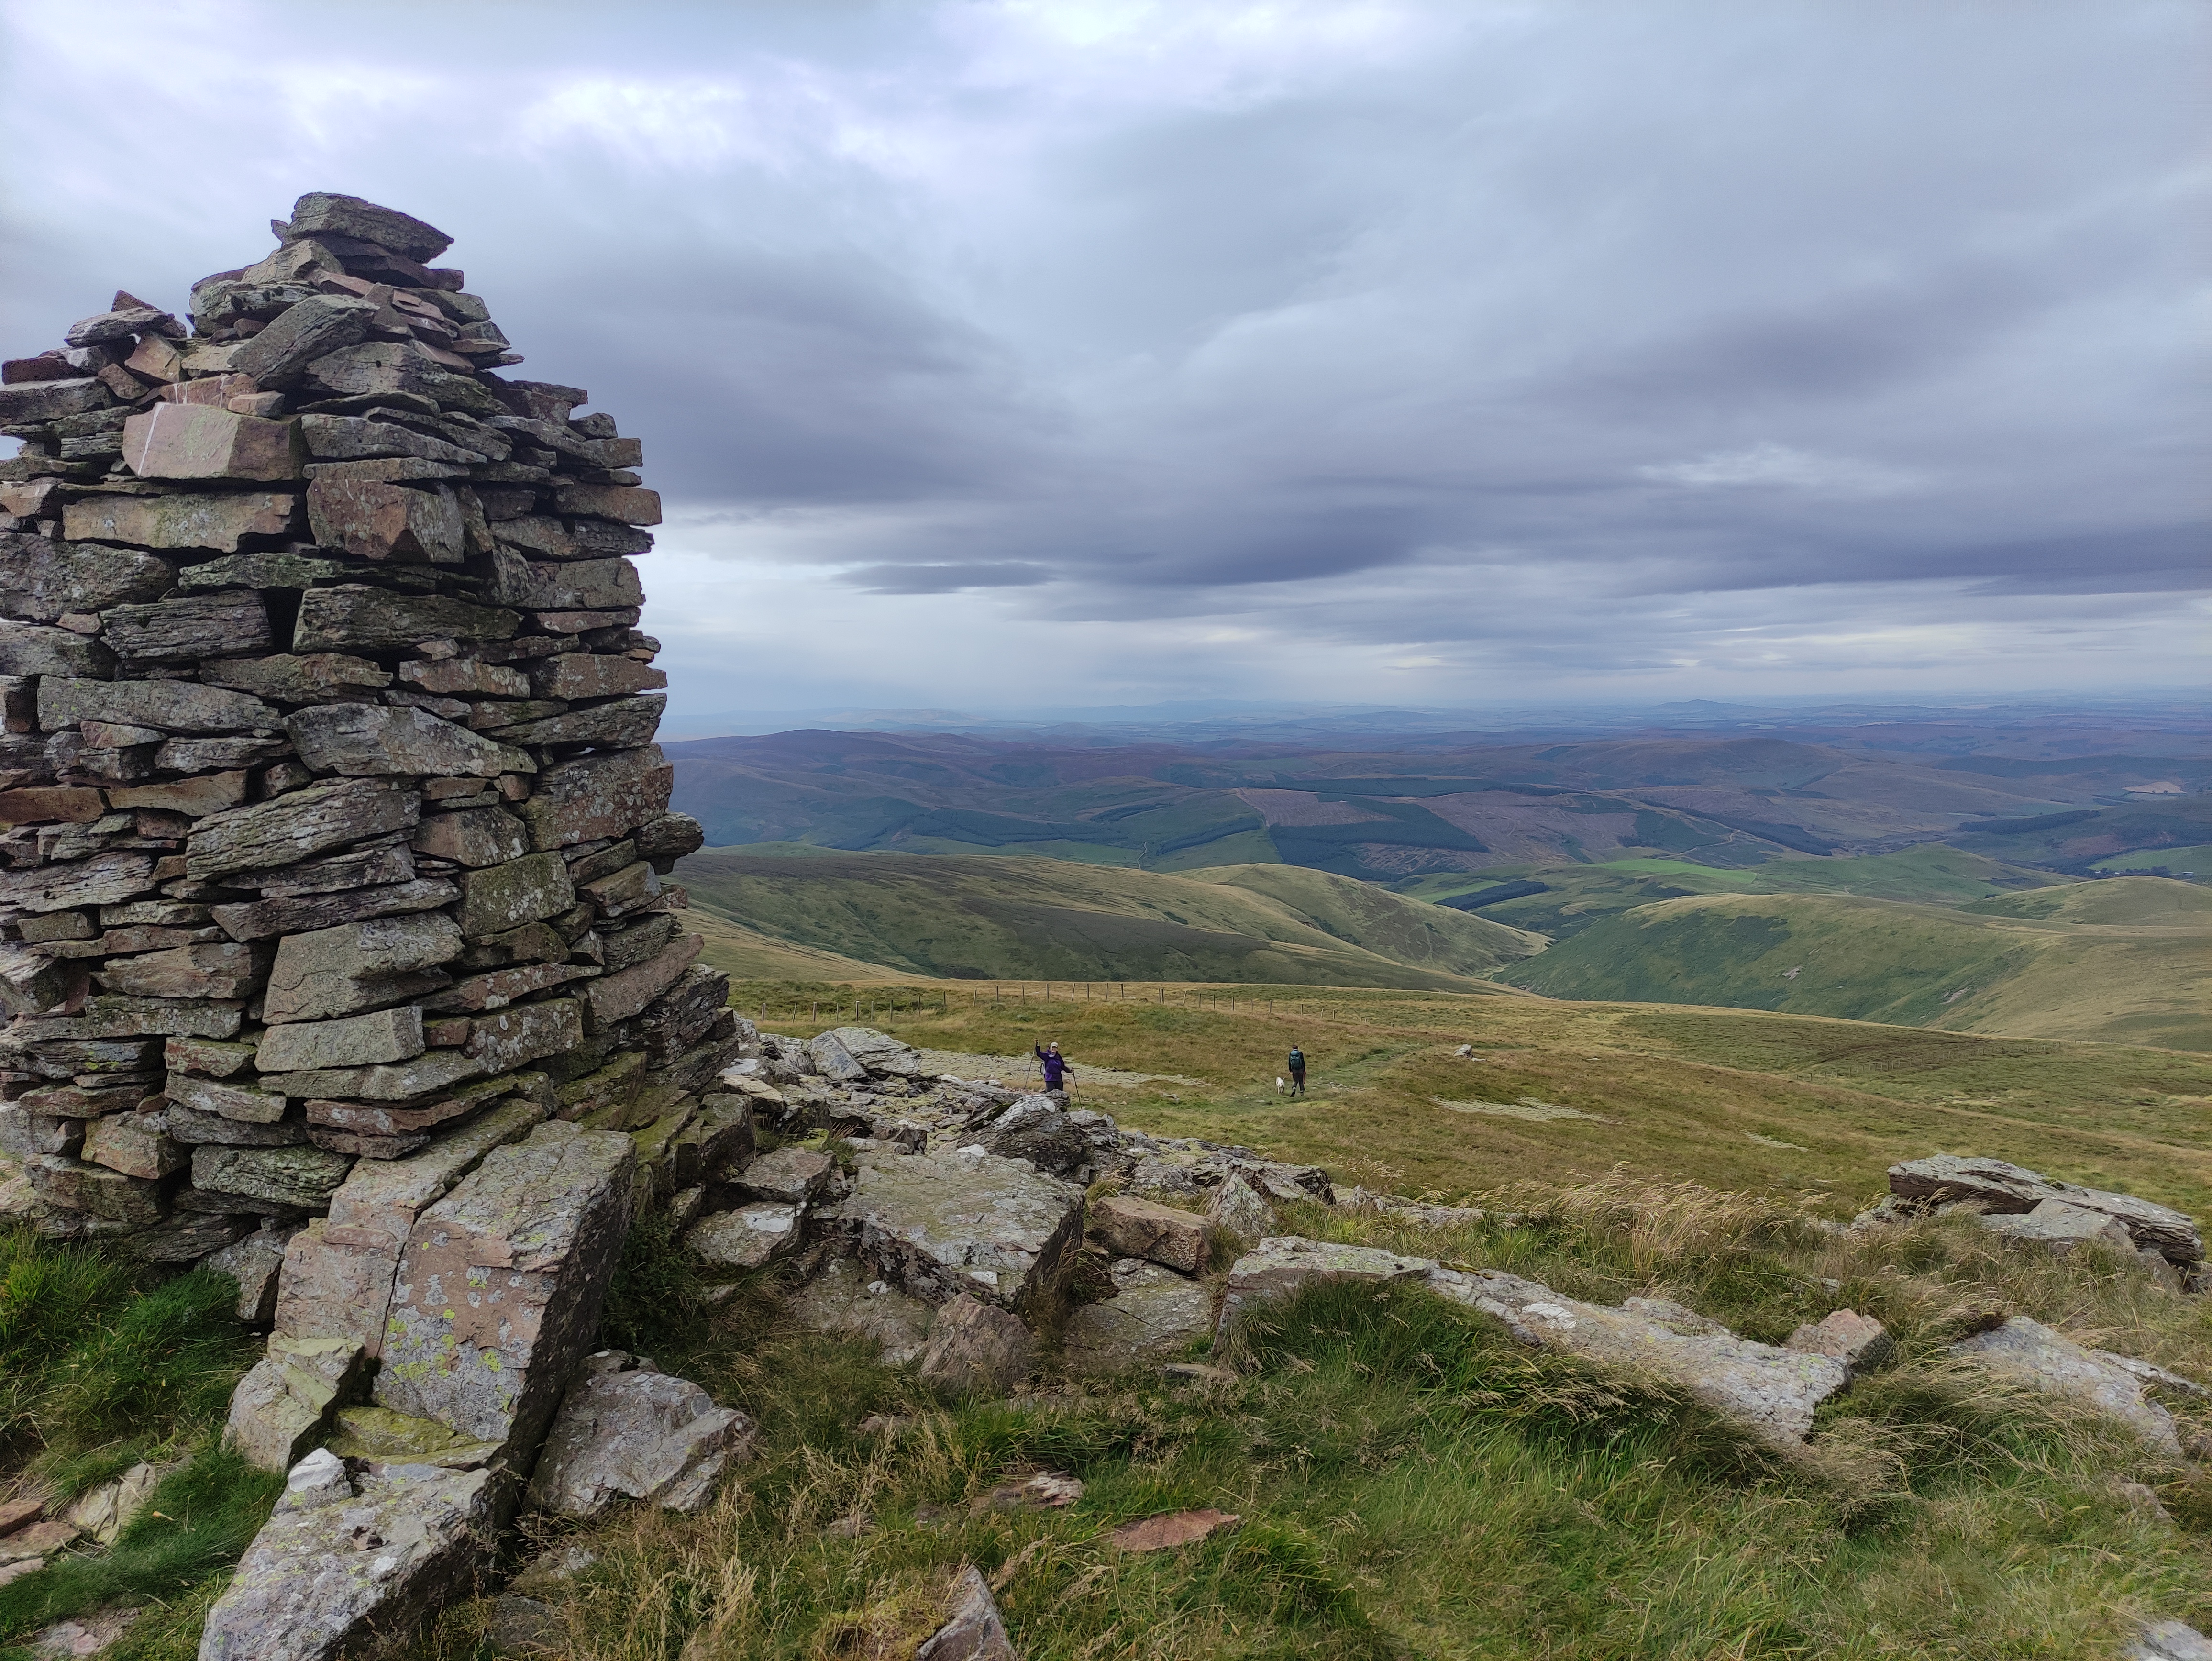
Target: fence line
[856, 1007]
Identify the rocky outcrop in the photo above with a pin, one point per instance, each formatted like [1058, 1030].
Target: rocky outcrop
[975, 1348]
[2028, 1205]
[1770, 1392]
[1130, 1227]
[2029, 1354]
[626, 1432]
[1154, 1314]
[1282, 1266]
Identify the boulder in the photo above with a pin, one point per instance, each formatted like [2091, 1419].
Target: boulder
[1049, 1140]
[343, 1567]
[1236, 1206]
[1153, 1314]
[1284, 1265]
[833, 1061]
[2001, 1189]
[974, 1630]
[976, 1348]
[498, 1293]
[1859, 1341]
[1130, 1227]
[1768, 1391]
[938, 1225]
[2028, 1354]
[877, 1053]
[748, 1236]
[634, 1434]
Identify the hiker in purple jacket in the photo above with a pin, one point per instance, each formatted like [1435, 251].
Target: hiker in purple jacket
[1056, 1069]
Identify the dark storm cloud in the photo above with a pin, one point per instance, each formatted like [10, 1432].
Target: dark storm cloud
[1555, 340]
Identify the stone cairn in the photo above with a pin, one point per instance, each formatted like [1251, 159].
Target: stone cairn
[332, 835]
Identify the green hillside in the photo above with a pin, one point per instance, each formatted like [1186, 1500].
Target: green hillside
[2122, 960]
[1005, 918]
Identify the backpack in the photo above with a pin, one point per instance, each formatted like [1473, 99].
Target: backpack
[1297, 1061]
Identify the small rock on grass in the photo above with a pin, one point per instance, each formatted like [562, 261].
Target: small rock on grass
[1859, 1341]
[1043, 1490]
[90, 1635]
[976, 1630]
[1173, 1528]
[2170, 1640]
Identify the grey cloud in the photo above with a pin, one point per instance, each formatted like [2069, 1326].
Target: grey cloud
[943, 579]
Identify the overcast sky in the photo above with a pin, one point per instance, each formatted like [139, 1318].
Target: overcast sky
[994, 356]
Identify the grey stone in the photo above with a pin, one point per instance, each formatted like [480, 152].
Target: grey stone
[190, 1126]
[620, 723]
[1770, 1392]
[30, 649]
[246, 1103]
[976, 1348]
[171, 706]
[937, 1225]
[301, 333]
[324, 214]
[1238, 1207]
[507, 1038]
[41, 579]
[2058, 1227]
[365, 740]
[358, 966]
[51, 400]
[475, 836]
[110, 1017]
[1282, 1266]
[1859, 1341]
[261, 920]
[215, 969]
[1154, 1314]
[499, 1289]
[606, 794]
[615, 998]
[350, 438]
[103, 880]
[405, 1081]
[2003, 1189]
[497, 897]
[2169, 1641]
[304, 678]
[187, 630]
[390, 365]
[381, 862]
[844, 1301]
[303, 1177]
[298, 825]
[974, 1631]
[255, 1263]
[374, 619]
[1131, 1227]
[340, 1569]
[748, 1236]
[282, 1407]
[383, 1035]
[793, 1176]
[2030, 1354]
[1049, 1140]
[218, 522]
[636, 1435]
[574, 585]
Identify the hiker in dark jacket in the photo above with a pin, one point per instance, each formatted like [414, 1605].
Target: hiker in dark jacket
[1056, 1069]
[1298, 1064]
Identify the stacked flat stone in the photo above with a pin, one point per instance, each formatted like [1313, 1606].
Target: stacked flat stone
[330, 817]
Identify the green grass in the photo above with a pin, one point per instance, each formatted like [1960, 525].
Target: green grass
[103, 1365]
[2180, 862]
[1412, 1483]
[2122, 960]
[1007, 918]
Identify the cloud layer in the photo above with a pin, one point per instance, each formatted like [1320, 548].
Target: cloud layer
[1068, 352]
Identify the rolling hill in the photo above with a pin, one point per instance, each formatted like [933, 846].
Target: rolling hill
[2121, 960]
[997, 918]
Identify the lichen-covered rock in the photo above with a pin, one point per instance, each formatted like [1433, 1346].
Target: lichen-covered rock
[498, 1293]
[845, 1300]
[1238, 1207]
[282, 1405]
[1153, 1314]
[938, 1225]
[2059, 1225]
[303, 1177]
[257, 1264]
[633, 1433]
[340, 1568]
[974, 1630]
[2028, 1354]
[748, 1236]
[1859, 1341]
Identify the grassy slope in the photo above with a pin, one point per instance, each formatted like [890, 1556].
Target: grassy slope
[1039, 919]
[1995, 967]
